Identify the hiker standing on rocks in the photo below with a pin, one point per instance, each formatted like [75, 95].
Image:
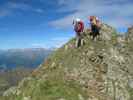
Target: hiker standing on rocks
[79, 28]
[95, 27]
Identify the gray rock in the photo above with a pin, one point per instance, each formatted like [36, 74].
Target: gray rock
[130, 83]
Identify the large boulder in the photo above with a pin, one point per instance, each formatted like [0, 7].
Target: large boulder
[107, 32]
[130, 34]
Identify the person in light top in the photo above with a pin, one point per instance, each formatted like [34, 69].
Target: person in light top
[95, 26]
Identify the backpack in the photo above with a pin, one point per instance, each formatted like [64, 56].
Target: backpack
[79, 26]
[98, 23]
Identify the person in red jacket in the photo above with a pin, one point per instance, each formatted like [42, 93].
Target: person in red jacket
[79, 28]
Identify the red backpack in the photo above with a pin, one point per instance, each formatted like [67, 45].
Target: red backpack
[79, 27]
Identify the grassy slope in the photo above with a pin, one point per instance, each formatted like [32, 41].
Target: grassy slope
[12, 77]
[48, 82]
[53, 87]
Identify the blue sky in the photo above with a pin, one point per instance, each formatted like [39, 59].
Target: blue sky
[48, 23]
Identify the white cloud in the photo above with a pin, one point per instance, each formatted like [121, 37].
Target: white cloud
[59, 41]
[41, 45]
[9, 7]
[117, 13]
[62, 2]
[4, 12]
[39, 10]
[52, 43]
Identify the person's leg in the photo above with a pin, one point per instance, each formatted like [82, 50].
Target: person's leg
[98, 33]
[76, 44]
[95, 32]
[78, 41]
[98, 36]
[95, 36]
[91, 35]
[82, 41]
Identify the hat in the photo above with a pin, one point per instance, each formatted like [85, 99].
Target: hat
[76, 20]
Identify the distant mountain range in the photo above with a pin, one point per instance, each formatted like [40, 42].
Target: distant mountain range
[27, 58]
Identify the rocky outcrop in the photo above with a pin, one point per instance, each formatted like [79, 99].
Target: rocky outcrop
[130, 34]
[107, 32]
[102, 70]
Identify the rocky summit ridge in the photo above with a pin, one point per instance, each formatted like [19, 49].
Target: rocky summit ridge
[98, 70]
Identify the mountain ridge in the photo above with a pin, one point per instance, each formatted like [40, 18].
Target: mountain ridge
[99, 70]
